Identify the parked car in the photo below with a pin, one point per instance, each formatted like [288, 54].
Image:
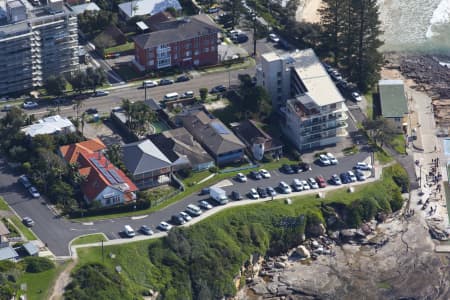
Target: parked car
[218, 89]
[213, 9]
[129, 231]
[193, 210]
[240, 38]
[149, 83]
[345, 178]
[187, 95]
[305, 185]
[363, 166]
[274, 38]
[271, 191]
[204, 205]
[23, 179]
[241, 177]
[100, 93]
[333, 160]
[166, 81]
[324, 160]
[284, 187]
[264, 173]
[91, 111]
[146, 230]
[183, 78]
[177, 219]
[287, 169]
[7, 107]
[312, 183]
[27, 221]
[351, 175]
[304, 166]
[30, 104]
[34, 192]
[356, 96]
[335, 180]
[296, 169]
[253, 194]
[262, 192]
[117, 109]
[235, 195]
[255, 175]
[297, 185]
[321, 181]
[185, 216]
[360, 175]
[205, 191]
[164, 226]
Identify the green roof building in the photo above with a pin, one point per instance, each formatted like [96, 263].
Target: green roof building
[394, 105]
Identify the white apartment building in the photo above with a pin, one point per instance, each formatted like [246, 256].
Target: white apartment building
[313, 110]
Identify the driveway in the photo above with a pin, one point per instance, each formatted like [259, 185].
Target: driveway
[58, 232]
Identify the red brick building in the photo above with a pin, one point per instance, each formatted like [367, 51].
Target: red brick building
[185, 42]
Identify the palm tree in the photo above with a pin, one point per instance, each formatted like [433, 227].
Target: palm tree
[77, 106]
[83, 121]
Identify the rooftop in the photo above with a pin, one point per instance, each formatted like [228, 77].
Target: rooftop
[49, 125]
[143, 156]
[147, 7]
[81, 8]
[8, 253]
[72, 151]
[392, 97]
[250, 134]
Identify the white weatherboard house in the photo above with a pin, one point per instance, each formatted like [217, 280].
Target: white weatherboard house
[50, 125]
[146, 7]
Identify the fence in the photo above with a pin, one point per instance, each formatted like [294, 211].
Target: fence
[239, 169]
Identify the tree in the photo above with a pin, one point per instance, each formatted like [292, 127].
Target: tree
[138, 116]
[380, 130]
[255, 99]
[79, 81]
[235, 9]
[95, 77]
[203, 94]
[55, 85]
[77, 107]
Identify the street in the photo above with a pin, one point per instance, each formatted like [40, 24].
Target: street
[58, 232]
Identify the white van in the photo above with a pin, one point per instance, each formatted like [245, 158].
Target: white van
[129, 231]
[193, 210]
[171, 97]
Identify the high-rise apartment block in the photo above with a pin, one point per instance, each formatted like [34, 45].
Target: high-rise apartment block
[35, 42]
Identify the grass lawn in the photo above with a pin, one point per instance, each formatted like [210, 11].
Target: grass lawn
[369, 98]
[39, 284]
[249, 62]
[3, 204]
[23, 229]
[120, 48]
[398, 143]
[382, 156]
[196, 177]
[89, 239]
[126, 71]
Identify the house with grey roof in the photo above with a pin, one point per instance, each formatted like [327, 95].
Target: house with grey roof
[8, 253]
[222, 144]
[148, 166]
[394, 105]
[181, 148]
[132, 9]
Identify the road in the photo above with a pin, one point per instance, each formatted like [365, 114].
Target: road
[58, 232]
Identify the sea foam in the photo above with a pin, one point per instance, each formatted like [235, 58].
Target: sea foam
[441, 15]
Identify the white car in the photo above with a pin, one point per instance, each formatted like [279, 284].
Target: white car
[324, 160]
[34, 192]
[253, 194]
[241, 177]
[313, 183]
[164, 226]
[100, 93]
[30, 104]
[363, 166]
[356, 96]
[285, 188]
[332, 159]
[351, 175]
[264, 173]
[204, 204]
[149, 84]
[305, 185]
[274, 38]
[185, 216]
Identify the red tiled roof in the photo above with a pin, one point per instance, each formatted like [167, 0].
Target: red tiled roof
[70, 152]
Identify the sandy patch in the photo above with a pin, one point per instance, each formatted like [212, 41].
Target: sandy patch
[307, 11]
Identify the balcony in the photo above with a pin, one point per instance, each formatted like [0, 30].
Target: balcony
[308, 132]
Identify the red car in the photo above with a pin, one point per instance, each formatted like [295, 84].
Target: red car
[321, 181]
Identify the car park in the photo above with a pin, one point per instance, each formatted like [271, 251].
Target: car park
[149, 83]
[166, 81]
[177, 219]
[204, 205]
[34, 192]
[345, 178]
[351, 175]
[335, 180]
[253, 194]
[321, 181]
[129, 231]
[333, 160]
[312, 183]
[261, 192]
[284, 188]
[297, 185]
[145, 230]
[241, 177]
[193, 210]
[356, 96]
[187, 95]
[30, 104]
[23, 179]
[305, 185]
[235, 195]
[183, 78]
[271, 191]
[324, 160]
[27, 221]
[360, 175]
[274, 38]
[255, 175]
[363, 166]
[205, 191]
[287, 169]
[91, 111]
[218, 89]
[264, 173]
[185, 216]
[100, 93]
[164, 226]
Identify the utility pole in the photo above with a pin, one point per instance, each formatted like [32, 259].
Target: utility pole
[254, 33]
[145, 91]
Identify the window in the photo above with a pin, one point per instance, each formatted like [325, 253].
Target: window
[397, 119]
[151, 54]
[188, 53]
[175, 56]
[196, 52]
[151, 62]
[196, 62]
[206, 50]
[187, 46]
[333, 105]
[213, 48]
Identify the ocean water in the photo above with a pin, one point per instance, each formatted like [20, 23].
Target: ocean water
[416, 25]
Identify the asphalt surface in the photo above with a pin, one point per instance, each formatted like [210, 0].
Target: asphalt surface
[58, 232]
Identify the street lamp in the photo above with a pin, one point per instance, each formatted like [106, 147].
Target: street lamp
[253, 16]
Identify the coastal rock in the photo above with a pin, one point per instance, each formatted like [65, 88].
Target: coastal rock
[258, 286]
[334, 235]
[279, 265]
[303, 252]
[347, 234]
[437, 233]
[317, 230]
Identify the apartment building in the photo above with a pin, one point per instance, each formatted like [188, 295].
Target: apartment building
[35, 42]
[312, 109]
[186, 42]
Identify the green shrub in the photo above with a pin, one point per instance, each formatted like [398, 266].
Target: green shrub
[400, 177]
[34, 264]
[214, 169]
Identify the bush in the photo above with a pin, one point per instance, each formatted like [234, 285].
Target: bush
[400, 177]
[34, 264]
[214, 169]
